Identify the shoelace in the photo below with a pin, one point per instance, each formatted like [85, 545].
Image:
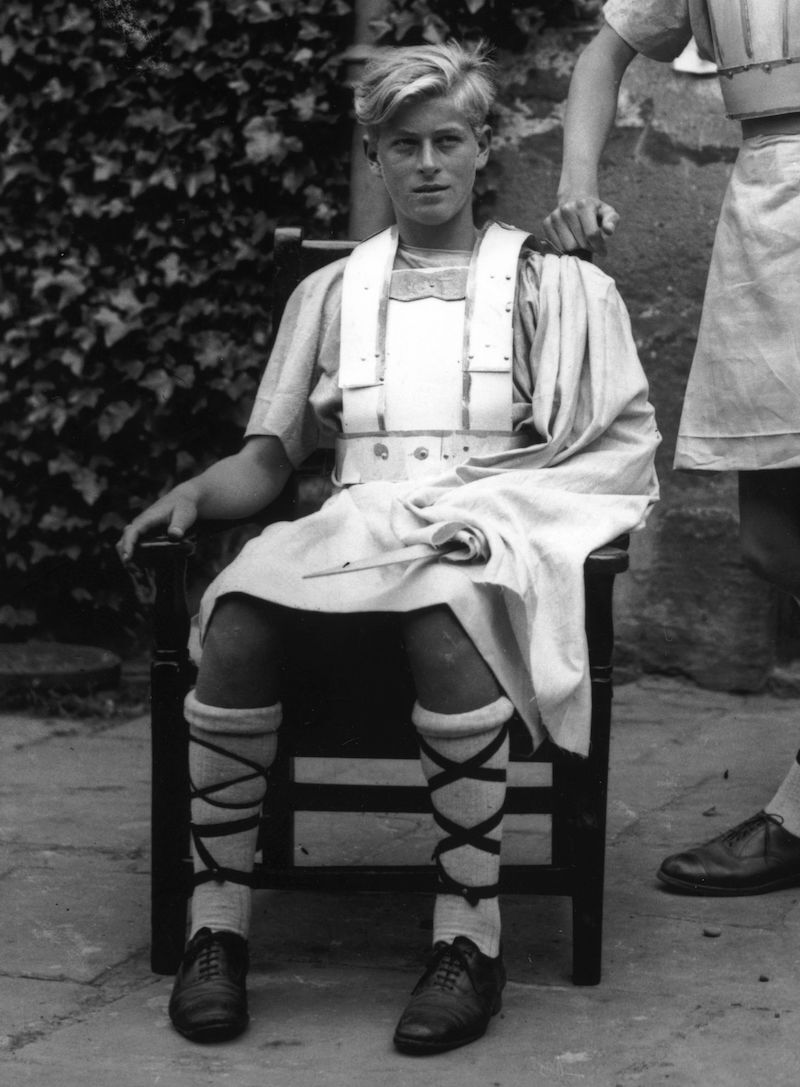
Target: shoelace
[209, 957]
[449, 968]
[735, 834]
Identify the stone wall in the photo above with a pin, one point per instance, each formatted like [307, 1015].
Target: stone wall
[688, 606]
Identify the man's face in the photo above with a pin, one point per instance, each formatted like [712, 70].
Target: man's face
[428, 155]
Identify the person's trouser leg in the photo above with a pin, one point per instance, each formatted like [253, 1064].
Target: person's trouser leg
[785, 804]
[762, 853]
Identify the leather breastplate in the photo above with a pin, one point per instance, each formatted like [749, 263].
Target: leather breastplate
[426, 361]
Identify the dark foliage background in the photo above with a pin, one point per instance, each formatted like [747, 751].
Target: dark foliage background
[148, 151]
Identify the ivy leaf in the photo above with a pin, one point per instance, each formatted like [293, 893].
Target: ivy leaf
[72, 360]
[16, 617]
[165, 176]
[114, 418]
[210, 350]
[71, 284]
[196, 181]
[59, 519]
[304, 105]
[8, 49]
[83, 478]
[115, 328]
[41, 551]
[171, 267]
[264, 143]
[159, 382]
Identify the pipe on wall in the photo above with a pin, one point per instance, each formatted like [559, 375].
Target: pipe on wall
[370, 209]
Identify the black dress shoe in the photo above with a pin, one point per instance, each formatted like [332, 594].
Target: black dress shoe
[454, 1000]
[752, 858]
[209, 999]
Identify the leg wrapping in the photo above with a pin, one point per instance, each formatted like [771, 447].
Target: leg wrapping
[476, 836]
[464, 758]
[230, 752]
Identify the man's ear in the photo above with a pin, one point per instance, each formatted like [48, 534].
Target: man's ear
[484, 138]
[371, 151]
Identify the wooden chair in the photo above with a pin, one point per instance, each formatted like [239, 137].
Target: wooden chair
[327, 719]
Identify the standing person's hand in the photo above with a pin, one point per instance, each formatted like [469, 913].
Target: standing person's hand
[581, 222]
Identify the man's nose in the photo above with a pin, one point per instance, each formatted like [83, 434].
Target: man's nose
[427, 158]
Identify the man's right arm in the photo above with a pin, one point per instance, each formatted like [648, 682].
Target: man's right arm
[234, 487]
[582, 220]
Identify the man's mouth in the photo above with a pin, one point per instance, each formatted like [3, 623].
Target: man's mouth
[430, 188]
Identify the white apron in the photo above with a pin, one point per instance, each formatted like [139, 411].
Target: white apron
[742, 405]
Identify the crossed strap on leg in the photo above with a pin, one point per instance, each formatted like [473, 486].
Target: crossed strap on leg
[200, 831]
[457, 836]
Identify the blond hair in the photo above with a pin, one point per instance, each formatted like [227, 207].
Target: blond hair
[395, 77]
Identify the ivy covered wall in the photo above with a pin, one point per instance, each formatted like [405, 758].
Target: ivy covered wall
[149, 150]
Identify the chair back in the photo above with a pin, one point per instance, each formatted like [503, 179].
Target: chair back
[294, 258]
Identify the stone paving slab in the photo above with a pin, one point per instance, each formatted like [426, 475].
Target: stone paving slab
[29, 1007]
[59, 927]
[90, 787]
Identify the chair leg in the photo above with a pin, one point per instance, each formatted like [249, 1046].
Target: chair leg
[589, 789]
[169, 816]
[587, 934]
[171, 675]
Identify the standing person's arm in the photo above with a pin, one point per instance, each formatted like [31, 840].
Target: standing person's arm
[582, 220]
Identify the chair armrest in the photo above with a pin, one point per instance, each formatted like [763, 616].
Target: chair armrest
[609, 560]
[155, 549]
[160, 547]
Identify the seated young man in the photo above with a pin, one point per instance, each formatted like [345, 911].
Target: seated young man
[490, 421]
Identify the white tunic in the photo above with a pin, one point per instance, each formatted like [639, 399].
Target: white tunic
[586, 476]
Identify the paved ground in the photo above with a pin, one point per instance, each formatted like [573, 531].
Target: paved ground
[678, 1007]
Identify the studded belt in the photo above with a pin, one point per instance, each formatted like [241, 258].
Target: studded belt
[387, 457]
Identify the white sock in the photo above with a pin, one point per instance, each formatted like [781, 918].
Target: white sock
[447, 742]
[229, 753]
[786, 801]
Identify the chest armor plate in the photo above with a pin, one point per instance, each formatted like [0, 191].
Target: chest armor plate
[426, 361]
[757, 47]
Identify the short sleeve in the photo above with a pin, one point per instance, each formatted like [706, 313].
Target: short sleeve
[659, 29]
[298, 400]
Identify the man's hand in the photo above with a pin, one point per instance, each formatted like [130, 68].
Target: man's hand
[177, 510]
[581, 222]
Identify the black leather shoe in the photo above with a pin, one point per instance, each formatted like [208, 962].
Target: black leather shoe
[752, 858]
[209, 999]
[454, 1000]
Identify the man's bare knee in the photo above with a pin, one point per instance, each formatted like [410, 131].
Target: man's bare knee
[449, 673]
[242, 652]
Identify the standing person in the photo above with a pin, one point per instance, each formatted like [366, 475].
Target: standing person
[489, 414]
[742, 406]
